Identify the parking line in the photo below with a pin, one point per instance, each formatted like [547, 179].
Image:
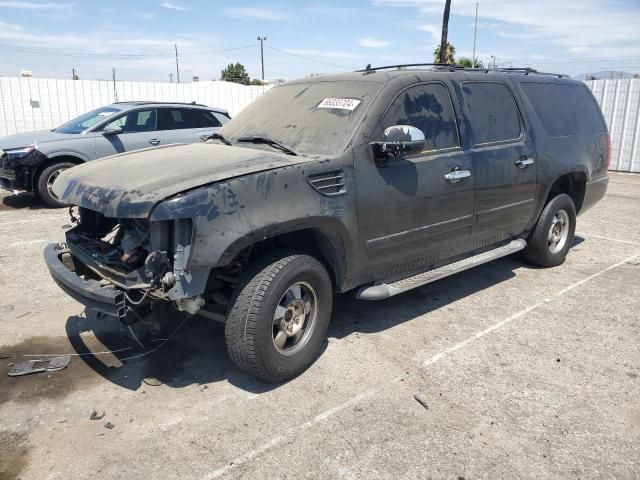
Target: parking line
[434, 359]
[628, 242]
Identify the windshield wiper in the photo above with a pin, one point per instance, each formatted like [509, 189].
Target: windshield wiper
[218, 136]
[267, 141]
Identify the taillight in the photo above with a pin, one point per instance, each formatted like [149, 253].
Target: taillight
[607, 158]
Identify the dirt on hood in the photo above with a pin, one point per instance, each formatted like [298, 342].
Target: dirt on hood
[131, 184]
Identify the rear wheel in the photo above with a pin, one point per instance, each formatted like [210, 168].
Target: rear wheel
[552, 237]
[279, 317]
[45, 183]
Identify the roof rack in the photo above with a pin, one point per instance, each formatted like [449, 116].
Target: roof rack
[145, 102]
[453, 68]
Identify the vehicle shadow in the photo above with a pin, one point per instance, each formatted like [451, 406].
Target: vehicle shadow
[23, 200]
[178, 351]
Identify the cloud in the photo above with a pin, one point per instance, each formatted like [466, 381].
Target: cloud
[256, 13]
[10, 27]
[314, 52]
[373, 43]
[580, 27]
[173, 6]
[434, 30]
[36, 6]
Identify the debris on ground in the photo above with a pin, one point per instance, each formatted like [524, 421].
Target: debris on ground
[36, 366]
[152, 382]
[96, 416]
[109, 425]
[421, 401]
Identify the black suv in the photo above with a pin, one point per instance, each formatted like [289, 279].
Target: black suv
[380, 180]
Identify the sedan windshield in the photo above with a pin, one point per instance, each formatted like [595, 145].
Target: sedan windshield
[88, 120]
[314, 118]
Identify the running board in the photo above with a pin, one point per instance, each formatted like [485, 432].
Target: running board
[386, 290]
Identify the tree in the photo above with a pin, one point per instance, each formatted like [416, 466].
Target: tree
[235, 73]
[449, 56]
[444, 44]
[256, 81]
[466, 62]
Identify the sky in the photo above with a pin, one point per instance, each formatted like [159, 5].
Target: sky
[137, 37]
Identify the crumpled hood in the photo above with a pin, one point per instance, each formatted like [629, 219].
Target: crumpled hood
[27, 139]
[131, 184]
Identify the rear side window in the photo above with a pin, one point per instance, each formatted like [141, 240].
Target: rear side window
[427, 107]
[492, 111]
[564, 110]
[181, 118]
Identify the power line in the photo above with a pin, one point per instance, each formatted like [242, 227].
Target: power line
[315, 60]
[115, 56]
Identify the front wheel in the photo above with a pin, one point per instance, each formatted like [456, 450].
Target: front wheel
[45, 183]
[279, 317]
[552, 237]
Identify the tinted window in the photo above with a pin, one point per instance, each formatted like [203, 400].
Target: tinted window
[179, 118]
[564, 110]
[136, 121]
[429, 108]
[492, 111]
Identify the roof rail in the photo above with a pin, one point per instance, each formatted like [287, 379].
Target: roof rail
[453, 67]
[145, 102]
[369, 69]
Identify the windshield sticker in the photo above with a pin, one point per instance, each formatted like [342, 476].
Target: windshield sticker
[339, 103]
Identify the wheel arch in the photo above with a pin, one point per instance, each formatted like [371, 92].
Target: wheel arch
[572, 183]
[326, 240]
[51, 160]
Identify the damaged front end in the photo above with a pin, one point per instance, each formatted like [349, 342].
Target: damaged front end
[116, 265]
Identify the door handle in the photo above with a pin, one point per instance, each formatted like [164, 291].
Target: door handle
[154, 141]
[524, 162]
[204, 138]
[455, 175]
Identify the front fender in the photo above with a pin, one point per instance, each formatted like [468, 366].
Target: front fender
[229, 216]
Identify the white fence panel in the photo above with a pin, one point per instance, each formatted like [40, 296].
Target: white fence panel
[42, 103]
[620, 103]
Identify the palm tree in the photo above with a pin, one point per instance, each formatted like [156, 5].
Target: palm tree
[449, 54]
[466, 62]
[442, 57]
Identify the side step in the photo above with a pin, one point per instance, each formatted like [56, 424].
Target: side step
[386, 290]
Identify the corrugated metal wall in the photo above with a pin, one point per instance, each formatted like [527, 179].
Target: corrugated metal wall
[40, 103]
[620, 103]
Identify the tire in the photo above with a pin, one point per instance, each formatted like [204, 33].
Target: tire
[257, 343]
[551, 239]
[46, 178]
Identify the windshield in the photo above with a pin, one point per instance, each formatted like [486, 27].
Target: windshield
[315, 118]
[81, 123]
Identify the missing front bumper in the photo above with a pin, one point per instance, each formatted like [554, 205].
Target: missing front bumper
[105, 299]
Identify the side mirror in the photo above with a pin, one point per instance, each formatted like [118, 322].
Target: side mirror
[399, 140]
[109, 131]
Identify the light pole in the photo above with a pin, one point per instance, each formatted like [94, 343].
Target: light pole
[475, 35]
[262, 39]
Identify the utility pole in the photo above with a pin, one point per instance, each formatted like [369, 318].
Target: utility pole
[445, 32]
[115, 91]
[475, 36]
[177, 66]
[262, 39]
